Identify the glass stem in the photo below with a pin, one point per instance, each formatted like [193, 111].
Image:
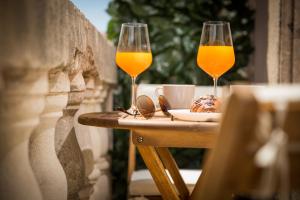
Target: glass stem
[133, 95]
[215, 86]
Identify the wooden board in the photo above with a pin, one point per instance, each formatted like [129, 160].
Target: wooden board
[174, 138]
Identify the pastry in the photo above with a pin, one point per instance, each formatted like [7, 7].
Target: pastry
[208, 103]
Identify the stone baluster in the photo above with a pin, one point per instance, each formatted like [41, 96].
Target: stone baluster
[46, 166]
[67, 147]
[101, 138]
[94, 143]
[84, 135]
[22, 100]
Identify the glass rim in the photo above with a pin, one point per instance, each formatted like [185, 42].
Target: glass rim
[220, 23]
[134, 24]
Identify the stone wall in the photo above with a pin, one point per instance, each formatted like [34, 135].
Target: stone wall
[54, 65]
[283, 57]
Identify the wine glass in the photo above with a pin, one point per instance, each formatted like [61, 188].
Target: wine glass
[133, 54]
[215, 53]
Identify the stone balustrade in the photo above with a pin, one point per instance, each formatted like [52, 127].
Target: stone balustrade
[54, 66]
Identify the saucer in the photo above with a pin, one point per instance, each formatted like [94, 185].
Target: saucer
[186, 114]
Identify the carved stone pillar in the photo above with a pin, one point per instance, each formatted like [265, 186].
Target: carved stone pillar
[85, 137]
[67, 147]
[46, 166]
[22, 101]
[94, 143]
[101, 138]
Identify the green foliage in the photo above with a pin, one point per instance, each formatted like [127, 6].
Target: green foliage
[175, 29]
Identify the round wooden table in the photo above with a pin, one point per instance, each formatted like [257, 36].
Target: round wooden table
[153, 137]
[159, 131]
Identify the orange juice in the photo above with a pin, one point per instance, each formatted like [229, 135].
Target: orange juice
[133, 63]
[215, 60]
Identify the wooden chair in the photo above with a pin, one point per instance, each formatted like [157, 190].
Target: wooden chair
[230, 168]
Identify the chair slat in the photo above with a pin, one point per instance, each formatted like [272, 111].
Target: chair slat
[228, 163]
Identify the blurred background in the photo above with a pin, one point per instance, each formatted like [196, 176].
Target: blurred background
[174, 29]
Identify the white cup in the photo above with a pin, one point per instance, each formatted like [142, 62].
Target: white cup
[178, 96]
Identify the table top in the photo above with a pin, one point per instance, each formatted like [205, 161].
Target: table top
[121, 120]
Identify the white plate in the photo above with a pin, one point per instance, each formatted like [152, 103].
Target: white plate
[186, 114]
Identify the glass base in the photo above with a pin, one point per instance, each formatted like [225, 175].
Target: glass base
[133, 110]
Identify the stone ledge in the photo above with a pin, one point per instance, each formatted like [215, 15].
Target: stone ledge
[49, 34]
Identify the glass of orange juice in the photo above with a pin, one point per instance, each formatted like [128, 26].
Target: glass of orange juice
[134, 54]
[215, 53]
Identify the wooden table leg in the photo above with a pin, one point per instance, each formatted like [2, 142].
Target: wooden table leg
[158, 172]
[131, 158]
[170, 164]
